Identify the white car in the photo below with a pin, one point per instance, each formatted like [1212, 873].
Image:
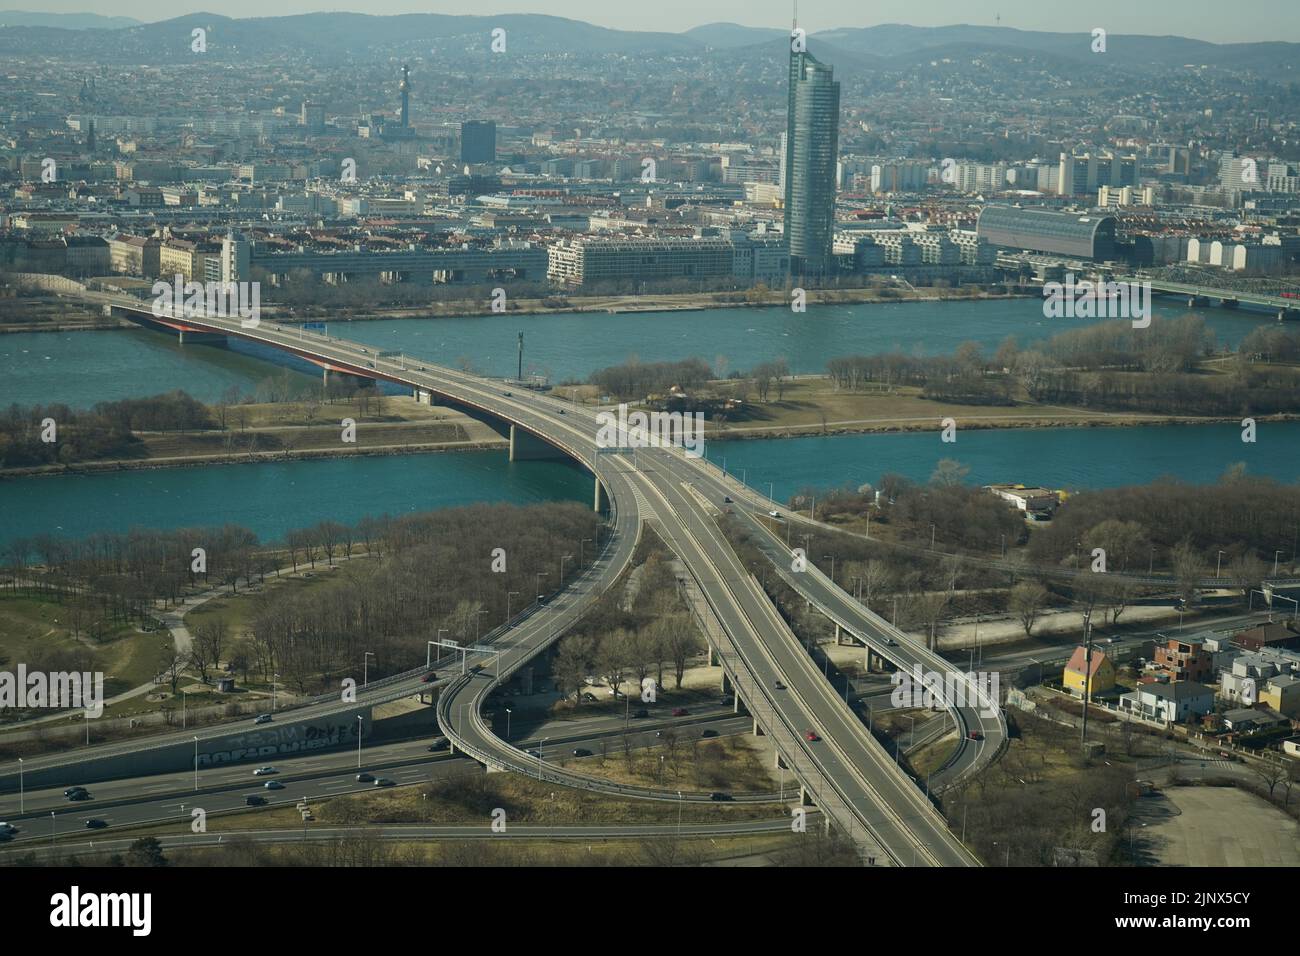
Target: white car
[264, 771]
[774, 514]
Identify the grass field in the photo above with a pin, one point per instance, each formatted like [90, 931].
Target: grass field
[37, 631]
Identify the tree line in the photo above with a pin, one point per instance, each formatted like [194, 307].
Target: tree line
[58, 434]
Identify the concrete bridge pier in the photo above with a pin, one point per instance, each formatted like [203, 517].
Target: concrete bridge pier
[525, 446]
[804, 799]
[726, 683]
[713, 657]
[758, 731]
[600, 501]
[422, 396]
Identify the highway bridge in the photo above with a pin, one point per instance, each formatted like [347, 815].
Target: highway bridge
[1286, 308]
[859, 788]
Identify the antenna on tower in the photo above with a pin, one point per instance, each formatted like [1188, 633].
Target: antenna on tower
[795, 21]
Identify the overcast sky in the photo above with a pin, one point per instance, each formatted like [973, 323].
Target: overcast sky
[1214, 20]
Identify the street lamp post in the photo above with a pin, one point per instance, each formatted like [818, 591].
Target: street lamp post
[508, 712]
[478, 624]
[274, 679]
[360, 725]
[563, 558]
[540, 749]
[540, 575]
[832, 557]
[1275, 557]
[21, 789]
[428, 650]
[365, 668]
[1218, 563]
[509, 595]
[196, 762]
[584, 541]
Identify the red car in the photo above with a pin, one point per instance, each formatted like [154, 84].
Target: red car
[429, 678]
[810, 735]
[679, 711]
[975, 735]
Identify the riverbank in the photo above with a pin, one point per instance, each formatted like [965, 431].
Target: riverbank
[49, 312]
[280, 432]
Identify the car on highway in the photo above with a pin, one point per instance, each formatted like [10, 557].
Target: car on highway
[640, 712]
[719, 796]
[708, 732]
[811, 735]
[680, 712]
[975, 735]
[890, 642]
[94, 823]
[507, 395]
[7, 828]
[779, 686]
[726, 500]
[536, 754]
[383, 782]
[442, 743]
[71, 790]
[365, 778]
[774, 514]
[561, 411]
[429, 678]
[262, 719]
[581, 752]
[255, 800]
[264, 771]
[273, 785]
[79, 795]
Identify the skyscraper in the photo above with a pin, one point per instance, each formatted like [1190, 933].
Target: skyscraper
[478, 141]
[811, 151]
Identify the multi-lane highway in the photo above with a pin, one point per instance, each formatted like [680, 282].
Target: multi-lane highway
[857, 785]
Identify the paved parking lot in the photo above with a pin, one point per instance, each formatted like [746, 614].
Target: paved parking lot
[1215, 826]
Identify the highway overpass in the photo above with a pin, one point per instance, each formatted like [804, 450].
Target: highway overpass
[857, 785]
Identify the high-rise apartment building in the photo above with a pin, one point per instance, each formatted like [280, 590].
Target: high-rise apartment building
[811, 151]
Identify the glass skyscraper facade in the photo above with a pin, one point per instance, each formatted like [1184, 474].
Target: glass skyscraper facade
[811, 151]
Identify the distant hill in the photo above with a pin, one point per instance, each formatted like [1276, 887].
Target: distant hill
[66, 21]
[904, 42]
[357, 34]
[722, 36]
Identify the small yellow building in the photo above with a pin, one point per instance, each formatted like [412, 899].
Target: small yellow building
[1101, 676]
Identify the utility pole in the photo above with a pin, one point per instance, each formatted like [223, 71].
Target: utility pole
[1087, 672]
[520, 375]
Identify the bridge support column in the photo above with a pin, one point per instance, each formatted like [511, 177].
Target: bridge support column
[839, 636]
[725, 683]
[758, 731]
[422, 396]
[804, 799]
[525, 446]
[735, 703]
[599, 503]
[200, 338]
[713, 657]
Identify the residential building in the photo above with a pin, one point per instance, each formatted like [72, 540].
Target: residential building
[1173, 703]
[1099, 669]
[1184, 660]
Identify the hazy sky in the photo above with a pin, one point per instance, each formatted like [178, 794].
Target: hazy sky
[1214, 20]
